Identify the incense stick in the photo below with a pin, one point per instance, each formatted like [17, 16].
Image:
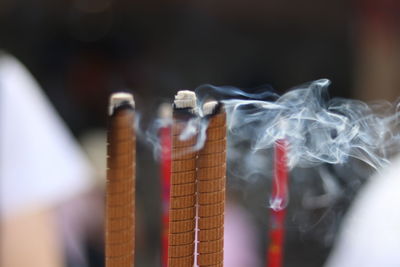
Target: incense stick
[278, 211]
[165, 112]
[182, 212]
[120, 191]
[211, 175]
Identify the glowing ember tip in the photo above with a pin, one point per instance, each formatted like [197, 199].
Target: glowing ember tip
[119, 99]
[185, 99]
[209, 107]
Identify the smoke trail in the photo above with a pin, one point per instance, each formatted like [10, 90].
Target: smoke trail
[318, 129]
[152, 135]
[196, 126]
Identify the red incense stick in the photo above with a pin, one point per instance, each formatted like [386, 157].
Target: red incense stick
[278, 211]
[165, 162]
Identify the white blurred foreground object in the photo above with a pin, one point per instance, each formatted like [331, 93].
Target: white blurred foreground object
[370, 234]
[241, 245]
[41, 166]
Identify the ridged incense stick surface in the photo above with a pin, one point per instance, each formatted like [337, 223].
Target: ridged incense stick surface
[211, 175]
[182, 212]
[120, 196]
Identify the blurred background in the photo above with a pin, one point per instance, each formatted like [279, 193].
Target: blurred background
[79, 51]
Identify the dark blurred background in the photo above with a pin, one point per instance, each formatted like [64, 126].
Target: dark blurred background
[82, 50]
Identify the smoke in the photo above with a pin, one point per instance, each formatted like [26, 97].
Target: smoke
[318, 129]
[152, 134]
[195, 127]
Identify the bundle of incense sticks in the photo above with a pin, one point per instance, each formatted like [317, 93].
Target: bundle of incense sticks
[211, 175]
[120, 191]
[182, 212]
[277, 215]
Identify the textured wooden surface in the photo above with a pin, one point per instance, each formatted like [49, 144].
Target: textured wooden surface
[211, 183]
[120, 195]
[182, 197]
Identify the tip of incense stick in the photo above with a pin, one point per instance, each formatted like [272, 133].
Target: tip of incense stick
[185, 99]
[165, 111]
[210, 107]
[119, 99]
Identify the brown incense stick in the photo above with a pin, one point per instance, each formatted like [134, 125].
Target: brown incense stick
[211, 175]
[182, 212]
[120, 196]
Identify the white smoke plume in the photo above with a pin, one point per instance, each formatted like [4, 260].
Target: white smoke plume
[317, 129]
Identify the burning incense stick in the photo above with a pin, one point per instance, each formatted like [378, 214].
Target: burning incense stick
[165, 162]
[120, 196]
[211, 175]
[182, 212]
[278, 211]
